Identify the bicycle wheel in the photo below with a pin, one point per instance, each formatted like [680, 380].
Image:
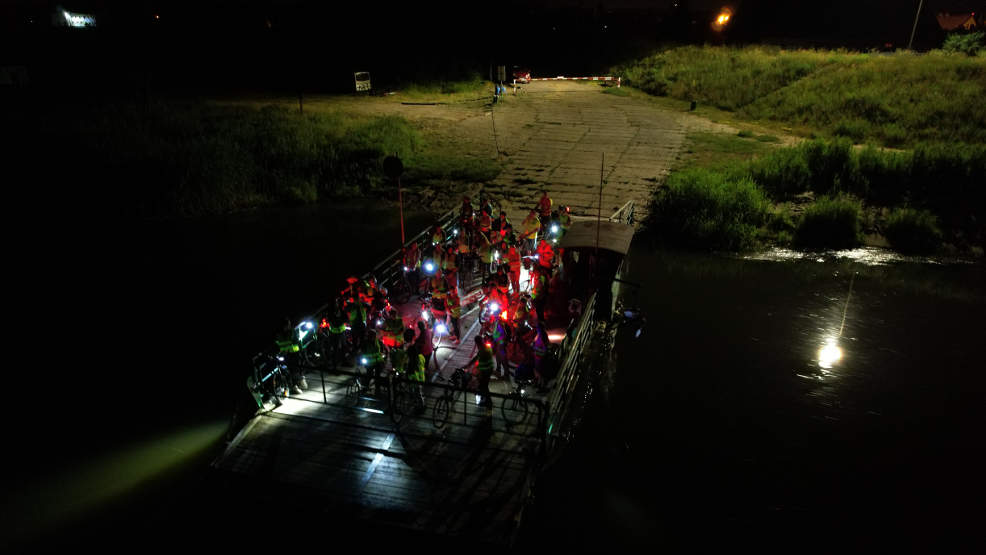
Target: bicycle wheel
[440, 414]
[313, 355]
[400, 401]
[514, 409]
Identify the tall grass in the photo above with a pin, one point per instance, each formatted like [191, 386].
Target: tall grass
[898, 100]
[190, 159]
[913, 231]
[946, 182]
[704, 209]
[831, 222]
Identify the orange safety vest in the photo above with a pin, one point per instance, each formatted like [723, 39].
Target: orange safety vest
[513, 258]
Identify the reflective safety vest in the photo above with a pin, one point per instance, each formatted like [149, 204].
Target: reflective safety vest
[499, 333]
[448, 263]
[454, 306]
[412, 259]
[438, 287]
[530, 226]
[540, 285]
[485, 251]
[398, 359]
[394, 329]
[337, 324]
[520, 313]
[373, 352]
[287, 345]
[565, 221]
[513, 258]
[418, 374]
[485, 361]
[357, 313]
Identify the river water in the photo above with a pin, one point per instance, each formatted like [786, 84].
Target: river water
[728, 421]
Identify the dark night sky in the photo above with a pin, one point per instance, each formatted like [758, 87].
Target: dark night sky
[270, 43]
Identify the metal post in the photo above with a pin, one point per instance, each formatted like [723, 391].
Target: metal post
[400, 200]
[915, 28]
[496, 142]
[321, 374]
[599, 212]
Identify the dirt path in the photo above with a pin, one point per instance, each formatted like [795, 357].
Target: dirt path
[554, 135]
[561, 135]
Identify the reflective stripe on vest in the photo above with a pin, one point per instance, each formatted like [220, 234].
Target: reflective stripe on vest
[373, 353]
[419, 373]
[287, 346]
[485, 362]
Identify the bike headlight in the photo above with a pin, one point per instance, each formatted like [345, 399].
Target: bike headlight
[554, 228]
[363, 361]
[496, 255]
[455, 231]
[405, 269]
[424, 315]
[429, 267]
[379, 322]
[440, 328]
[494, 307]
[535, 257]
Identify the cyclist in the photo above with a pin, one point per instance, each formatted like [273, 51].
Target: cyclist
[484, 366]
[336, 322]
[373, 353]
[454, 311]
[416, 365]
[287, 345]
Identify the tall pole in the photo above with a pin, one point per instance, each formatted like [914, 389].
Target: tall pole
[599, 211]
[496, 141]
[400, 200]
[915, 28]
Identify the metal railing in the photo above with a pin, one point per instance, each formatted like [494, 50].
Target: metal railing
[624, 214]
[553, 411]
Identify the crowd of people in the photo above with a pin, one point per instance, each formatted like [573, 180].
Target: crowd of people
[362, 323]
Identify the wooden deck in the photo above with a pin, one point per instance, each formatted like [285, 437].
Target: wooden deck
[469, 477]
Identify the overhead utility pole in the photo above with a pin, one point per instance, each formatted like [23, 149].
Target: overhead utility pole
[915, 28]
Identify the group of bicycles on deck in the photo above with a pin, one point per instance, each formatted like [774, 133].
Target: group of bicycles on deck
[361, 327]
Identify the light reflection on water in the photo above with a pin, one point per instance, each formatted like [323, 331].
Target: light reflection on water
[869, 256]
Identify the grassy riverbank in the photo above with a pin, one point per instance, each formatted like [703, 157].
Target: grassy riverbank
[825, 194]
[180, 157]
[899, 99]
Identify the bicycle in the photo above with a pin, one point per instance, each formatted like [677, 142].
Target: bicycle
[516, 407]
[359, 384]
[443, 406]
[404, 396]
